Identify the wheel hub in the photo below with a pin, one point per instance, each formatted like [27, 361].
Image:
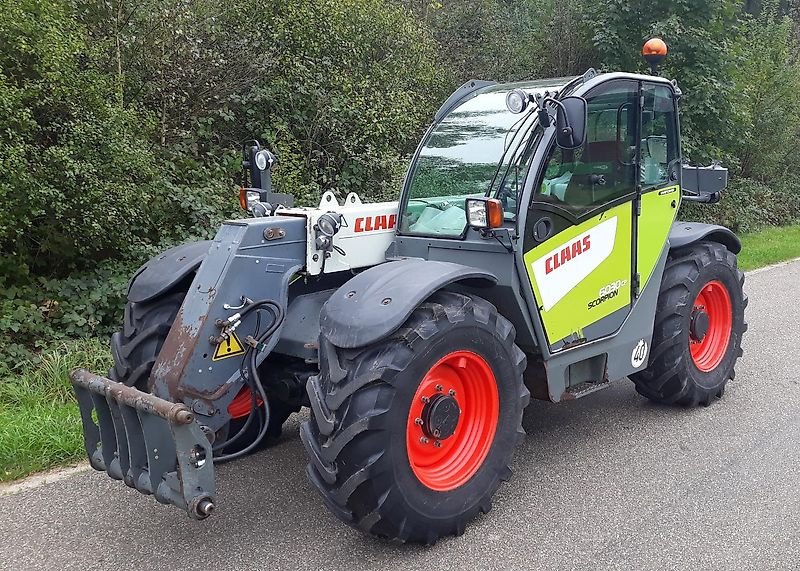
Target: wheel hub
[698, 327]
[440, 416]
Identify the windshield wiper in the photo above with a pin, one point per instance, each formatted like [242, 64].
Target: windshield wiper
[522, 142]
[429, 203]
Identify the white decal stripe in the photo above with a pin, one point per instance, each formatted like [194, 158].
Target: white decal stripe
[555, 285]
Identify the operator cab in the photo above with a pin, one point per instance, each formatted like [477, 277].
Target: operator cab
[481, 148]
[478, 149]
[575, 181]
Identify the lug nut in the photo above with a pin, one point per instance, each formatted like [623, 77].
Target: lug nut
[452, 392]
[418, 421]
[425, 399]
[439, 388]
[424, 440]
[437, 443]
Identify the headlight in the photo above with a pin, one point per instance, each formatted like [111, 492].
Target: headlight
[484, 212]
[517, 100]
[476, 213]
[329, 223]
[248, 198]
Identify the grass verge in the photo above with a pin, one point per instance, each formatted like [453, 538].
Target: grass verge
[39, 422]
[769, 246]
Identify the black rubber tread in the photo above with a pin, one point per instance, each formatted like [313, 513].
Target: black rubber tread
[144, 329]
[355, 439]
[671, 376]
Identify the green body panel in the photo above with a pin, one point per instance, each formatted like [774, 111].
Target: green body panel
[575, 291]
[659, 209]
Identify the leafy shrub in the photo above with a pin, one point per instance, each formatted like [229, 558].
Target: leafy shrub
[121, 123]
[48, 311]
[77, 166]
[120, 127]
[748, 206]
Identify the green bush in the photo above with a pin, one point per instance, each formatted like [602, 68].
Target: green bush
[48, 311]
[120, 130]
[749, 206]
[76, 166]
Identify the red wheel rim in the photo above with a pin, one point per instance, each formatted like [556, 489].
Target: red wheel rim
[708, 351]
[241, 404]
[446, 463]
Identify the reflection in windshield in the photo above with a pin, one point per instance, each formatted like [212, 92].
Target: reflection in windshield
[460, 159]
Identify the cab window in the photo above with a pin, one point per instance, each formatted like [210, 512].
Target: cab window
[603, 169]
[659, 136]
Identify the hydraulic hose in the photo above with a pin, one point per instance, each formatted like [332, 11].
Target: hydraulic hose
[254, 382]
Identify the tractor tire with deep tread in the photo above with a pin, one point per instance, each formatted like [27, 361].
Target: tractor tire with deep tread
[136, 348]
[674, 375]
[144, 329]
[361, 441]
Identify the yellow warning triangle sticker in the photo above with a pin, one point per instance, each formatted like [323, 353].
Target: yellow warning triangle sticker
[231, 347]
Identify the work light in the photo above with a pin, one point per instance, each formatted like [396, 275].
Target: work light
[517, 100]
[248, 198]
[329, 223]
[484, 212]
[264, 160]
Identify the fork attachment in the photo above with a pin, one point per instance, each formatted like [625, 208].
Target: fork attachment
[151, 444]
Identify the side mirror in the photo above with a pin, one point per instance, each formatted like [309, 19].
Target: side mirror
[705, 184]
[571, 118]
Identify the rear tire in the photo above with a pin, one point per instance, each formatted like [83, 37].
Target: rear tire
[698, 328]
[365, 441]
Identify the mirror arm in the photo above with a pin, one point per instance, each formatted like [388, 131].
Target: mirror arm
[555, 102]
[548, 99]
[544, 116]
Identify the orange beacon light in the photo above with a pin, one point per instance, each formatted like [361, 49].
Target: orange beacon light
[654, 51]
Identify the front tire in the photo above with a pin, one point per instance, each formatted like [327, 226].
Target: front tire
[410, 437]
[698, 330]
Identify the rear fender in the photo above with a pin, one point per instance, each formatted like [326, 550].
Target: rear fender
[685, 234]
[376, 302]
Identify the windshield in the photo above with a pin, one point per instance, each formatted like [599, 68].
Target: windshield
[478, 148]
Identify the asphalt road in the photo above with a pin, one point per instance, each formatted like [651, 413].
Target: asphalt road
[606, 482]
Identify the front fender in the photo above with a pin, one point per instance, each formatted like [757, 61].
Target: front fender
[376, 302]
[687, 233]
[166, 270]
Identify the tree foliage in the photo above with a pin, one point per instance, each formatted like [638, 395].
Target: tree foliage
[121, 121]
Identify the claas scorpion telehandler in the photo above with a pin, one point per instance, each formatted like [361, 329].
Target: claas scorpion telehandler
[534, 251]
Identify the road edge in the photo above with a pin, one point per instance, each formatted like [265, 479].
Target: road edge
[771, 267]
[36, 480]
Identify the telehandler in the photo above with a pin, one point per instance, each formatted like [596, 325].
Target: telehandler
[534, 251]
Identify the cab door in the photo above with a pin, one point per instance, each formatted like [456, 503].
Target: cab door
[579, 234]
[658, 175]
